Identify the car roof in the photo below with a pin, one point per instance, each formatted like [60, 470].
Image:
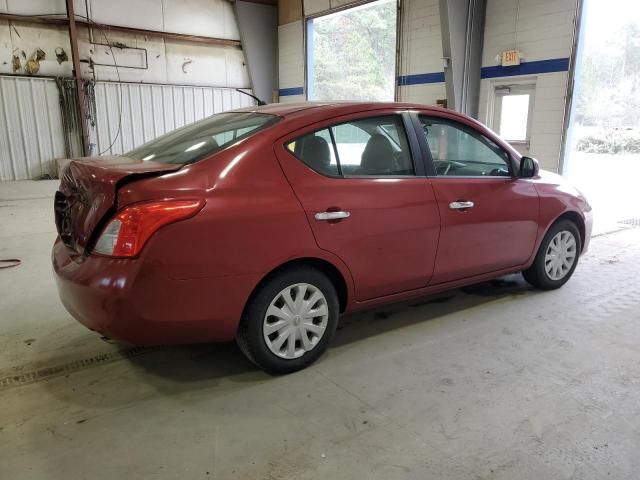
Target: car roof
[300, 114]
[294, 109]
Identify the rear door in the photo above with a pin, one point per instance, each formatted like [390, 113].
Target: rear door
[489, 216]
[367, 198]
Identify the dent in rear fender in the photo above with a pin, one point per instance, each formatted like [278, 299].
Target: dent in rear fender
[252, 223]
[236, 242]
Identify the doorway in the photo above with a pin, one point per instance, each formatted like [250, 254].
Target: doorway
[512, 114]
[602, 150]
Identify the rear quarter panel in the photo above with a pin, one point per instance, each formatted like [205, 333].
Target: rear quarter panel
[251, 224]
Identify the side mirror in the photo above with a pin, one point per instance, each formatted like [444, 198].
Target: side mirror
[529, 167]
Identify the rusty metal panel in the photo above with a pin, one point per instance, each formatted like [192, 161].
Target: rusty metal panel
[128, 114]
[31, 133]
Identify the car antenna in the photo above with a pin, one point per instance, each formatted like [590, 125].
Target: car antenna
[260, 102]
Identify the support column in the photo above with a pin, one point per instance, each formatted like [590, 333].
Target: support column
[73, 38]
[462, 38]
[258, 26]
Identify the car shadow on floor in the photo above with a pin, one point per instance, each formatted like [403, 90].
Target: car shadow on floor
[358, 326]
[176, 370]
[201, 362]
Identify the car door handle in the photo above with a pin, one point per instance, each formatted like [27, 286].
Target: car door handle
[461, 205]
[331, 215]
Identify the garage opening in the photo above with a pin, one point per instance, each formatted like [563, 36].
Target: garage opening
[351, 54]
[603, 143]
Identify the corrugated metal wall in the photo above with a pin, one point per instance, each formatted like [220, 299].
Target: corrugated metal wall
[149, 111]
[31, 134]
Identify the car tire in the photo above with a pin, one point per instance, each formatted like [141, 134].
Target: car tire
[289, 320]
[549, 269]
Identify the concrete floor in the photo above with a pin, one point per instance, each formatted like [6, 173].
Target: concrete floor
[497, 381]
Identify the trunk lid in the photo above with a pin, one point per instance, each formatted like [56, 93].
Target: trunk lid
[88, 191]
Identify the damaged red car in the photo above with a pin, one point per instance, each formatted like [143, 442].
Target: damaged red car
[265, 224]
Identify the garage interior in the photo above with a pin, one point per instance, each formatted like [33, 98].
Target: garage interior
[492, 381]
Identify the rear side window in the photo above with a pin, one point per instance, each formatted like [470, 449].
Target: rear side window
[375, 146]
[316, 150]
[201, 139]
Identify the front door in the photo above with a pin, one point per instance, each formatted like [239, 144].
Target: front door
[365, 201]
[488, 216]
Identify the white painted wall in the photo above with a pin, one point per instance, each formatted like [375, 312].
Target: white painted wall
[205, 65]
[541, 30]
[421, 50]
[291, 60]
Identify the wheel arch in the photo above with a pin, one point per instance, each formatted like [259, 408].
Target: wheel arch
[574, 217]
[334, 274]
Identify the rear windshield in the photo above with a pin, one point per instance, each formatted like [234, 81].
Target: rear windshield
[203, 138]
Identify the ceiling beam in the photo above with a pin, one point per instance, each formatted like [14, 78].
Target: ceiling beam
[61, 21]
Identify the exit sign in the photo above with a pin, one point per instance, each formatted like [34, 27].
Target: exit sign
[510, 58]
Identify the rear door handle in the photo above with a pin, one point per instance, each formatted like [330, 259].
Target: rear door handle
[461, 205]
[331, 215]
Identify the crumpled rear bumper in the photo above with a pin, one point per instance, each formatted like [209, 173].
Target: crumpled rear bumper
[133, 301]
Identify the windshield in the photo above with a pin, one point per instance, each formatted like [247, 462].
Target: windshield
[203, 138]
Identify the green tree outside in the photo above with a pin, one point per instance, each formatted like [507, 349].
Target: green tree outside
[354, 54]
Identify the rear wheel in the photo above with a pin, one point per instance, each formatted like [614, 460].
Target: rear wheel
[557, 257]
[290, 320]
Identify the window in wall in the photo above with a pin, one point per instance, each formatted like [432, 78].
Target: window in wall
[351, 54]
[512, 112]
[367, 147]
[460, 152]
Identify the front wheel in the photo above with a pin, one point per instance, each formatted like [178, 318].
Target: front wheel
[289, 321]
[557, 257]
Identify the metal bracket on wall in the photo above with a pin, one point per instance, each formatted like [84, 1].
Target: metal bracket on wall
[114, 64]
[111, 45]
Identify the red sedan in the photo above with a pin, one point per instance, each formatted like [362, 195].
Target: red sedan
[265, 224]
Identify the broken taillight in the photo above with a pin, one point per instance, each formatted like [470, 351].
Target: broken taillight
[128, 231]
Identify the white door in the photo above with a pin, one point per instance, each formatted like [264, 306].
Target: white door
[512, 114]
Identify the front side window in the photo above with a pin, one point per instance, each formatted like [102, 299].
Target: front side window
[374, 146]
[460, 152]
[203, 138]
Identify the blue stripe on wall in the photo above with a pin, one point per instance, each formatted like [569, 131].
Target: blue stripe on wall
[527, 68]
[286, 92]
[421, 78]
